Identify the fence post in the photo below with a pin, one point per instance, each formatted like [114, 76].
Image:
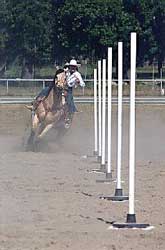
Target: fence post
[7, 86]
[153, 76]
[43, 84]
[83, 91]
[161, 82]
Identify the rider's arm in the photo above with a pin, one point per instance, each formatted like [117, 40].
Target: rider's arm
[71, 80]
[79, 79]
[74, 79]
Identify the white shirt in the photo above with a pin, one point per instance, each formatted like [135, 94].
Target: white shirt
[74, 79]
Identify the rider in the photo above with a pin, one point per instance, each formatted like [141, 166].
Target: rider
[73, 79]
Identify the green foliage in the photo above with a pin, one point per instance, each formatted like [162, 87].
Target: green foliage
[3, 29]
[39, 32]
[89, 27]
[29, 29]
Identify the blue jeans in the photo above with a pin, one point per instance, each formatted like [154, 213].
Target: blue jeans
[70, 101]
[44, 92]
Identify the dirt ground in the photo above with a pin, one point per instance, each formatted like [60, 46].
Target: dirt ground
[49, 200]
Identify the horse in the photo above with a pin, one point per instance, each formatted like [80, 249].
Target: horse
[49, 111]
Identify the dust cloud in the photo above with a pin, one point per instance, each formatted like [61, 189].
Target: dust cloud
[79, 139]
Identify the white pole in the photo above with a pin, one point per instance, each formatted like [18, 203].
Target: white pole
[95, 111]
[100, 113]
[132, 127]
[109, 108]
[103, 111]
[131, 217]
[120, 89]
[118, 191]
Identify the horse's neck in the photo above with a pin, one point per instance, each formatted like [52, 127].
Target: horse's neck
[53, 100]
[61, 80]
[50, 99]
[57, 98]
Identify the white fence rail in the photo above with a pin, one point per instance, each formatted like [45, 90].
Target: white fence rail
[89, 100]
[31, 87]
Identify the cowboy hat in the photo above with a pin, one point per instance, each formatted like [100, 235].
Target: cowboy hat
[73, 62]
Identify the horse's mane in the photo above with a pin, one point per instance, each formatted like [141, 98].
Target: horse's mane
[53, 85]
[59, 71]
[56, 89]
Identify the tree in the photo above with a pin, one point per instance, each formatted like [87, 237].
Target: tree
[158, 29]
[38, 32]
[3, 34]
[29, 27]
[151, 18]
[88, 28]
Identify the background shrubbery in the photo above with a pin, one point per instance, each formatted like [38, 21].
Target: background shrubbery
[37, 35]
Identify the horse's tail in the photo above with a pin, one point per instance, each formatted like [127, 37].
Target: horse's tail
[29, 107]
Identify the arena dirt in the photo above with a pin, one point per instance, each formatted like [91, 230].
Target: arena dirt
[50, 199]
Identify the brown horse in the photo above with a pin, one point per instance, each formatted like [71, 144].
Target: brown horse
[49, 111]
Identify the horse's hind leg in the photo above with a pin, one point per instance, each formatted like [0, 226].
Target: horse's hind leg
[45, 130]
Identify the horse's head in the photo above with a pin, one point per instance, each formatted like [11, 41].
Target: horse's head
[58, 87]
[60, 80]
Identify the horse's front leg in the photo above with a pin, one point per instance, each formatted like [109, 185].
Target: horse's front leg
[50, 121]
[45, 130]
[35, 122]
[34, 126]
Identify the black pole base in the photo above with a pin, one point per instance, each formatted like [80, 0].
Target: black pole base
[118, 192]
[102, 169]
[99, 158]
[117, 197]
[131, 218]
[95, 153]
[108, 178]
[131, 223]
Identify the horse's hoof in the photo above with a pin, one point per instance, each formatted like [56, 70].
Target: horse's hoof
[67, 125]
